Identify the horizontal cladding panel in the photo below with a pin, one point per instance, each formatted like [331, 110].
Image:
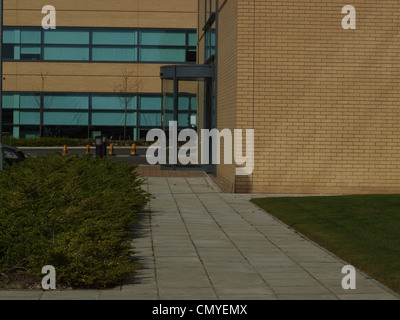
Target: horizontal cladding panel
[75, 84]
[106, 5]
[79, 69]
[114, 19]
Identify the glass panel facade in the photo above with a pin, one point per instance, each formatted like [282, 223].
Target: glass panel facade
[67, 102]
[162, 54]
[66, 53]
[113, 119]
[29, 117]
[114, 54]
[27, 101]
[167, 102]
[210, 43]
[162, 38]
[31, 36]
[66, 37]
[208, 16]
[79, 114]
[10, 101]
[30, 50]
[150, 119]
[95, 44]
[192, 39]
[108, 102]
[115, 37]
[11, 36]
[150, 103]
[65, 118]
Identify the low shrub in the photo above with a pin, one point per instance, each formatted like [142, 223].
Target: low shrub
[73, 213]
[46, 142]
[70, 142]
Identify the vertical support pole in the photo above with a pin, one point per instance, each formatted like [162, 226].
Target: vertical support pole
[175, 113]
[99, 146]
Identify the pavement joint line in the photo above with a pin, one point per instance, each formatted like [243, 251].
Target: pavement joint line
[152, 244]
[280, 249]
[233, 243]
[191, 239]
[388, 290]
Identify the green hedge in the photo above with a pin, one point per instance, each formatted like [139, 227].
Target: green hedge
[60, 141]
[46, 142]
[73, 213]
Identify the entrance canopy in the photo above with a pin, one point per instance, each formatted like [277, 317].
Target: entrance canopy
[186, 72]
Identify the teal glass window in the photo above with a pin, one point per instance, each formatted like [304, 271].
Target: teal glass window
[114, 37]
[168, 108]
[11, 36]
[210, 43]
[66, 53]
[29, 101]
[111, 102]
[10, 101]
[113, 118]
[12, 50]
[114, 54]
[183, 103]
[65, 118]
[193, 103]
[192, 39]
[162, 55]
[29, 117]
[67, 102]
[102, 45]
[29, 53]
[30, 50]
[163, 38]
[73, 111]
[31, 36]
[150, 119]
[184, 119]
[150, 103]
[66, 37]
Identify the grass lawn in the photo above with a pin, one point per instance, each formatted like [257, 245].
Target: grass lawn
[363, 230]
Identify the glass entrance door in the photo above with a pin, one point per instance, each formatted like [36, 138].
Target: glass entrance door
[187, 103]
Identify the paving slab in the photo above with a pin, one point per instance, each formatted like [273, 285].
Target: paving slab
[196, 243]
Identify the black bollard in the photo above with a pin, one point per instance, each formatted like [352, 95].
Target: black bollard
[99, 146]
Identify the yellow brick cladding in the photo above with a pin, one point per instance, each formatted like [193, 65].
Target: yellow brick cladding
[324, 101]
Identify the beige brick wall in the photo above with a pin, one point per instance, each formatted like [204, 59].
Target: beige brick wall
[100, 13]
[93, 77]
[324, 101]
[227, 81]
[78, 77]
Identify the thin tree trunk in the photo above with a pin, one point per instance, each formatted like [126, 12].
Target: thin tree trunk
[41, 114]
[126, 114]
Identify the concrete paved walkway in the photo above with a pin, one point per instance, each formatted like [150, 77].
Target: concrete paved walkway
[198, 243]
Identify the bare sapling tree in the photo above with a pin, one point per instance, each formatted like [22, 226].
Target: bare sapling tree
[127, 90]
[42, 101]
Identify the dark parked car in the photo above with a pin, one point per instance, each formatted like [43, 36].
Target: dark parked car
[13, 155]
